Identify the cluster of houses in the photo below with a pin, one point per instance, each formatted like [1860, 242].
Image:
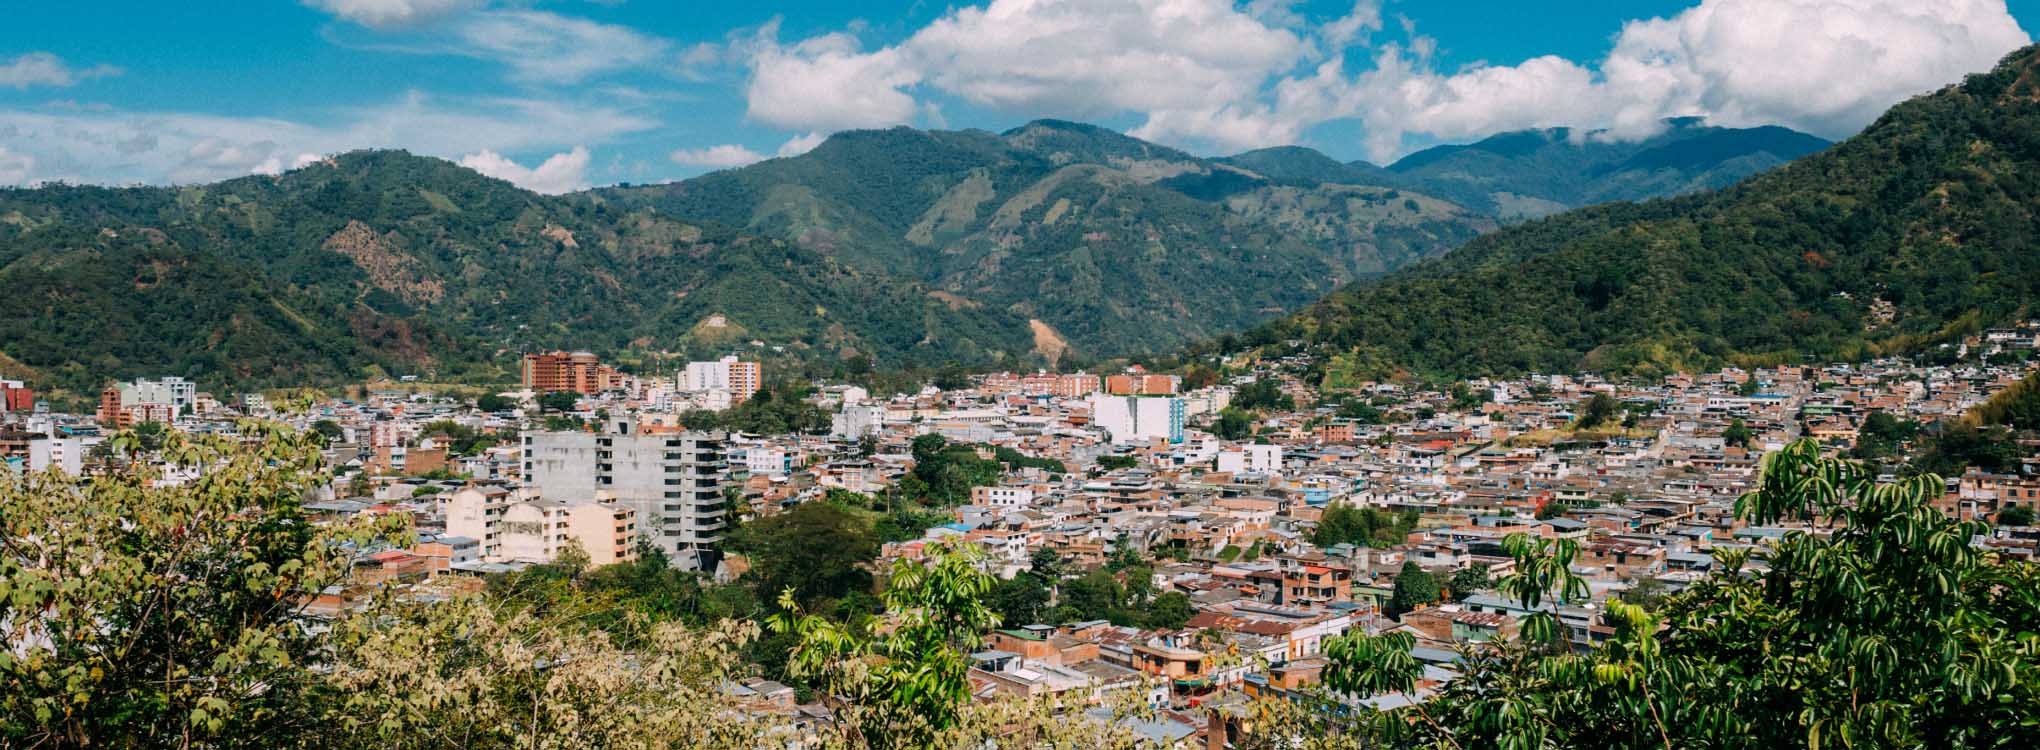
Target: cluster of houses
[1130, 463]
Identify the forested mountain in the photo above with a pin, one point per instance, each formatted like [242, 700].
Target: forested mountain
[909, 247]
[1922, 225]
[1532, 173]
[1116, 245]
[383, 260]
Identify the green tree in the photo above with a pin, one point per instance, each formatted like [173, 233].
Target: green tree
[2016, 515]
[1881, 435]
[142, 614]
[1737, 435]
[817, 551]
[559, 401]
[1596, 412]
[328, 429]
[1046, 564]
[1468, 580]
[906, 680]
[1264, 394]
[494, 402]
[1413, 588]
[1116, 463]
[1232, 424]
[1096, 595]
[1169, 611]
[1020, 600]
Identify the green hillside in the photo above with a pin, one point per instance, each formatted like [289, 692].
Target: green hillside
[1117, 245]
[1923, 224]
[1532, 173]
[416, 265]
[912, 248]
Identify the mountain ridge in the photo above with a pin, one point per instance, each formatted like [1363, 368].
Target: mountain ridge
[909, 248]
[1916, 229]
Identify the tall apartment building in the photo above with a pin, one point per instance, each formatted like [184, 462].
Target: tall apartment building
[672, 480]
[1076, 385]
[738, 378]
[578, 372]
[858, 421]
[129, 404]
[1135, 418]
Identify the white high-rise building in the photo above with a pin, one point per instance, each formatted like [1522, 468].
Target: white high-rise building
[1129, 419]
[673, 480]
[858, 421]
[177, 393]
[727, 380]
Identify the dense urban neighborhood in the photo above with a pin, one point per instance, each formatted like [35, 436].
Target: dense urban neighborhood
[1200, 538]
[1346, 375]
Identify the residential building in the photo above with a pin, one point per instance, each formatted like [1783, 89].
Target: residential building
[1076, 385]
[673, 481]
[577, 372]
[858, 421]
[1130, 419]
[729, 375]
[538, 530]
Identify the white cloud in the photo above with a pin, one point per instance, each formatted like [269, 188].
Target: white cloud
[1345, 30]
[1231, 76]
[561, 173]
[1076, 58]
[801, 144]
[1085, 57]
[15, 169]
[121, 147]
[826, 83]
[724, 156]
[551, 48]
[45, 69]
[390, 14]
[1824, 66]
[538, 47]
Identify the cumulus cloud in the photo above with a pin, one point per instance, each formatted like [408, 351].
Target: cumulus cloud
[1073, 57]
[45, 69]
[561, 173]
[801, 144]
[1240, 76]
[390, 14]
[1824, 66]
[122, 147]
[724, 156]
[827, 83]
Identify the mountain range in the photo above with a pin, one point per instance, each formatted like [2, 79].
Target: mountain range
[900, 248]
[1921, 227]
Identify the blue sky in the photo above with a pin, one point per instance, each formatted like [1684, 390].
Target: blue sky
[562, 95]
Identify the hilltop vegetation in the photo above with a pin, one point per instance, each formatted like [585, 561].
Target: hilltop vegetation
[1118, 245]
[1918, 228]
[382, 262]
[1533, 173]
[892, 249]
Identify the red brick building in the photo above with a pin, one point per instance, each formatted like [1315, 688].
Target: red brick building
[579, 372]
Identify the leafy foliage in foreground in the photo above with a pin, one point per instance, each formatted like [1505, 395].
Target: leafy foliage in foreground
[1929, 215]
[136, 615]
[1886, 629]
